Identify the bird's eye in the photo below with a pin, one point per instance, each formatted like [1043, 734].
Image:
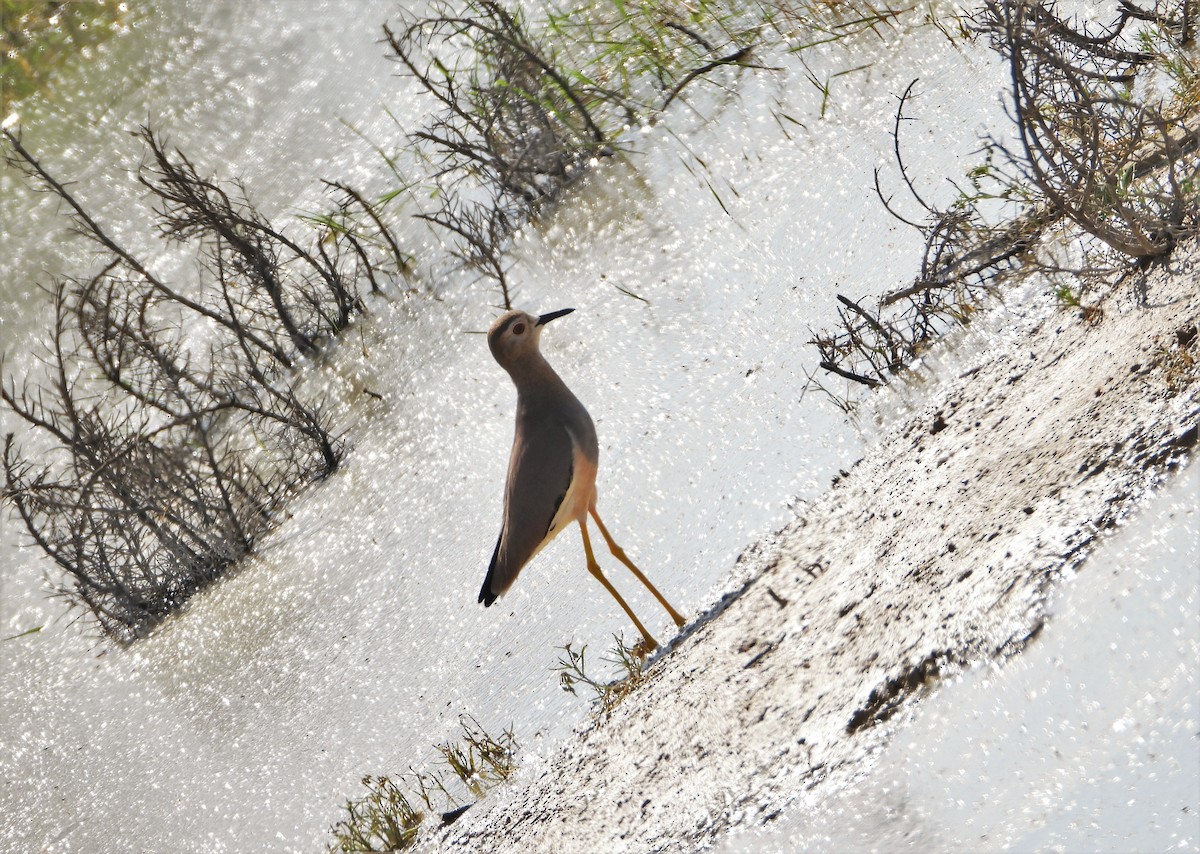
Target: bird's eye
[519, 329]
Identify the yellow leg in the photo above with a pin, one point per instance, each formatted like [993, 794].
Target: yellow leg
[594, 569]
[620, 555]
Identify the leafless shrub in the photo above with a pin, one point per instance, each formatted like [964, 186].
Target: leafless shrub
[518, 120]
[508, 111]
[1091, 153]
[481, 229]
[1116, 165]
[964, 259]
[362, 225]
[510, 130]
[169, 428]
[299, 293]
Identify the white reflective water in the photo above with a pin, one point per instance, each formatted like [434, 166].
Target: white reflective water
[353, 641]
[1086, 741]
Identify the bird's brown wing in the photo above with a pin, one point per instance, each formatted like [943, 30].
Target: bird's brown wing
[539, 475]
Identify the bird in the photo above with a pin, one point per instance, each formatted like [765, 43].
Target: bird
[551, 469]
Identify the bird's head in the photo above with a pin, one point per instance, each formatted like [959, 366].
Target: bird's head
[515, 334]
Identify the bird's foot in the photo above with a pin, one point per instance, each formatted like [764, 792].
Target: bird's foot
[644, 647]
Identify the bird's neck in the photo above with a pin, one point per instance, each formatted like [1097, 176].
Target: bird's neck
[533, 376]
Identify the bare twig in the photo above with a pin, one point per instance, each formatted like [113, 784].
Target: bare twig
[161, 460]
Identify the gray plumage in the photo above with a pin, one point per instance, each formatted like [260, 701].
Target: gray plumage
[554, 453]
[552, 469]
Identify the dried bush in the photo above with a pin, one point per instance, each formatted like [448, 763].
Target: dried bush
[965, 258]
[518, 119]
[510, 128]
[1116, 165]
[170, 427]
[509, 112]
[1122, 170]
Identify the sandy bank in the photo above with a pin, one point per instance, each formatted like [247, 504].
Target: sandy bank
[939, 549]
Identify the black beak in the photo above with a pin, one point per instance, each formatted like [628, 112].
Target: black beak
[554, 315]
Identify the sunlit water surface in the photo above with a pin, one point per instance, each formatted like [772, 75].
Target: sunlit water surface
[1089, 740]
[352, 642]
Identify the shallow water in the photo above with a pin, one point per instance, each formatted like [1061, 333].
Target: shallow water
[353, 641]
[1086, 741]
[257, 90]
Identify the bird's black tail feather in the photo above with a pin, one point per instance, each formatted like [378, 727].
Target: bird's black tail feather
[486, 596]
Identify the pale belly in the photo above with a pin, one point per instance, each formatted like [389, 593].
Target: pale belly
[581, 494]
